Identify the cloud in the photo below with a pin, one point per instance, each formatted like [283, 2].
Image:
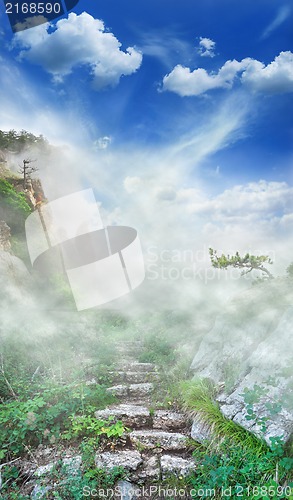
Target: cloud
[223, 126]
[162, 191]
[206, 47]
[276, 77]
[79, 40]
[132, 184]
[102, 142]
[166, 46]
[283, 13]
[254, 217]
[180, 216]
[252, 200]
[185, 82]
[166, 194]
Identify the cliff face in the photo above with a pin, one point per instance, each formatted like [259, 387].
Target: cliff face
[14, 280]
[33, 191]
[248, 354]
[16, 202]
[4, 237]
[16, 149]
[3, 158]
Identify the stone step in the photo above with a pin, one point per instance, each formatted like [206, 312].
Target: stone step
[140, 467]
[169, 420]
[129, 459]
[118, 390]
[130, 415]
[140, 390]
[138, 415]
[140, 377]
[131, 377]
[155, 439]
[135, 366]
[148, 471]
[131, 390]
[173, 465]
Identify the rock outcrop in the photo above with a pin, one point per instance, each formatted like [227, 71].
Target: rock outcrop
[248, 353]
[5, 236]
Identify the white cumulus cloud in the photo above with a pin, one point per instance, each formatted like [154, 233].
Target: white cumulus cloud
[206, 47]
[276, 77]
[79, 40]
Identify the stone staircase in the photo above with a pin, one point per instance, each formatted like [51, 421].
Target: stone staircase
[155, 444]
[153, 448]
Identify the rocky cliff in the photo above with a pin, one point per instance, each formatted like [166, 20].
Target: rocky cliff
[248, 354]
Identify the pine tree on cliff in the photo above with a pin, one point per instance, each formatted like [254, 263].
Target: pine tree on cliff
[26, 171]
[247, 263]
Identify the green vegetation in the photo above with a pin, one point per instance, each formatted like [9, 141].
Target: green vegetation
[235, 459]
[14, 208]
[54, 406]
[57, 412]
[14, 205]
[16, 142]
[243, 473]
[198, 398]
[252, 397]
[157, 349]
[88, 425]
[67, 485]
[248, 263]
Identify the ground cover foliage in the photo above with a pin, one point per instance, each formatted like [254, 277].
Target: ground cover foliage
[45, 400]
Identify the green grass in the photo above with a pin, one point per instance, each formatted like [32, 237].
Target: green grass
[198, 399]
[234, 458]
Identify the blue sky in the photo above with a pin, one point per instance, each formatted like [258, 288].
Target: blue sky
[182, 109]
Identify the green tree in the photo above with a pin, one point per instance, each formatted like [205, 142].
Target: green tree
[17, 142]
[247, 263]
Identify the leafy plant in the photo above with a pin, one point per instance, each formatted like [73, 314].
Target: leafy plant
[88, 425]
[106, 478]
[43, 417]
[253, 396]
[241, 471]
